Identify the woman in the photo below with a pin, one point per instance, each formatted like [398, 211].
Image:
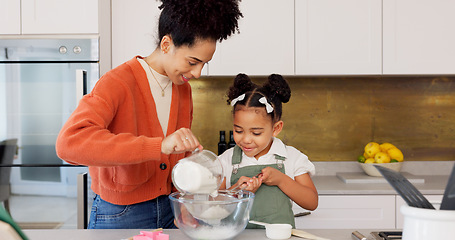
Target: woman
[135, 124]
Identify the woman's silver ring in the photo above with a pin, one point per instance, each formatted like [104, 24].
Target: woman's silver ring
[186, 138]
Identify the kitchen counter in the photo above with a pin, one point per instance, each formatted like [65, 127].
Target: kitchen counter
[435, 174]
[332, 185]
[174, 234]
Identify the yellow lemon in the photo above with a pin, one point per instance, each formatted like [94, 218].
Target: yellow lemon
[371, 149]
[365, 155]
[386, 146]
[369, 160]
[395, 153]
[382, 157]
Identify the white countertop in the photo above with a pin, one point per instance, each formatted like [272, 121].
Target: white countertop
[174, 234]
[332, 185]
[436, 175]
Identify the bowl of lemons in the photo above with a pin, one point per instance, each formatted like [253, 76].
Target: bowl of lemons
[385, 154]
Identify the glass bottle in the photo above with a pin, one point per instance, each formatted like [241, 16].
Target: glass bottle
[231, 139]
[222, 146]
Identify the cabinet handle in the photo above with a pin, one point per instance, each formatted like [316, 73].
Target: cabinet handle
[81, 84]
[302, 214]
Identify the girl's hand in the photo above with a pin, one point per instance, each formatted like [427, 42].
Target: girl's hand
[271, 176]
[249, 184]
[180, 141]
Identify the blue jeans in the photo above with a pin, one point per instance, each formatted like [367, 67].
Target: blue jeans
[156, 213]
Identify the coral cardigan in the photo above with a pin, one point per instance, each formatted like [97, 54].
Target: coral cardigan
[115, 131]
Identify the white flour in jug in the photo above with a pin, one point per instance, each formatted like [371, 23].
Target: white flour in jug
[194, 178]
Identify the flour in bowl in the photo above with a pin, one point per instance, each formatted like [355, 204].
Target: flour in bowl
[218, 232]
[215, 212]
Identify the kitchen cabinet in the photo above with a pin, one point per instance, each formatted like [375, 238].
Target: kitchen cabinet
[338, 37]
[134, 29]
[418, 37]
[356, 212]
[306, 37]
[350, 211]
[400, 202]
[49, 16]
[59, 16]
[265, 44]
[10, 17]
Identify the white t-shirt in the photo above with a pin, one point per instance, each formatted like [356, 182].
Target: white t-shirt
[162, 103]
[296, 162]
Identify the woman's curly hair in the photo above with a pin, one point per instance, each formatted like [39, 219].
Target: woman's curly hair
[188, 20]
[276, 90]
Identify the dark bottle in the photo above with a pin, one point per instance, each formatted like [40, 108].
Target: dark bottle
[231, 139]
[222, 143]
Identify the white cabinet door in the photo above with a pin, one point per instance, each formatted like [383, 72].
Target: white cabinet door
[134, 29]
[338, 37]
[434, 199]
[10, 17]
[59, 16]
[350, 211]
[265, 44]
[419, 37]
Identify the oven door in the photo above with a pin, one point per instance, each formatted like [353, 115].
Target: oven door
[36, 99]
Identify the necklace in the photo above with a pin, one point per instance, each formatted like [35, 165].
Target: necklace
[162, 89]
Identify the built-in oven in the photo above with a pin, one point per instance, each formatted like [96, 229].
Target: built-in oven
[41, 80]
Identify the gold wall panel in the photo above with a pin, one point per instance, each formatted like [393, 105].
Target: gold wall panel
[332, 118]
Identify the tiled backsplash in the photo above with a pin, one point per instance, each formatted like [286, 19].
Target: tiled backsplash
[332, 118]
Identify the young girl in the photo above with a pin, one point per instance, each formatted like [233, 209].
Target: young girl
[262, 163]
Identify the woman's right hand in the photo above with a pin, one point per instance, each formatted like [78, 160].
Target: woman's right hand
[180, 141]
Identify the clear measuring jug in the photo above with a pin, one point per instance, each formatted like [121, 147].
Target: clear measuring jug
[199, 173]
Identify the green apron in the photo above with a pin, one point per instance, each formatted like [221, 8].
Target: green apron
[270, 204]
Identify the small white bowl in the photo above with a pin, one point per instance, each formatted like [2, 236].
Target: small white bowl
[275, 230]
[278, 231]
[370, 170]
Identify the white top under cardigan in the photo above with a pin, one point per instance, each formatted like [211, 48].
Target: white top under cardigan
[162, 104]
[296, 162]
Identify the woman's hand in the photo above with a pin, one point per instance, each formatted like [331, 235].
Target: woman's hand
[271, 176]
[180, 141]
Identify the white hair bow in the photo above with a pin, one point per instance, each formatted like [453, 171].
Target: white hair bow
[268, 107]
[239, 98]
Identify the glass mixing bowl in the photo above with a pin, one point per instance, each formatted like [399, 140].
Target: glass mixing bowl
[201, 216]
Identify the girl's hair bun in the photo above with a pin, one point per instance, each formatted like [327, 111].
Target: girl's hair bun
[242, 84]
[277, 88]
